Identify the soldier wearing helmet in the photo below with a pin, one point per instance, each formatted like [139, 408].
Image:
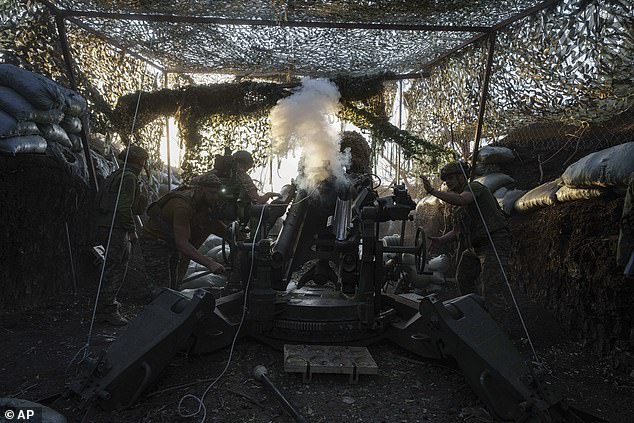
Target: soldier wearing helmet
[179, 222]
[476, 213]
[244, 162]
[115, 206]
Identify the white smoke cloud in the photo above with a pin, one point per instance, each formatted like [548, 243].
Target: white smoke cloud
[306, 120]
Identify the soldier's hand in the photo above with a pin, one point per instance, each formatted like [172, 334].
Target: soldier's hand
[216, 267]
[426, 183]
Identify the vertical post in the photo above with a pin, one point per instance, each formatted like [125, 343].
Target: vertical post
[483, 100]
[61, 30]
[400, 117]
[167, 139]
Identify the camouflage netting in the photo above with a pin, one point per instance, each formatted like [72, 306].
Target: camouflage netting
[557, 76]
[561, 76]
[244, 49]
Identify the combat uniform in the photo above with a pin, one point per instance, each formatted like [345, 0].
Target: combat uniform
[247, 184]
[626, 236]
[118, 254]
[477, 258]
[164, 265]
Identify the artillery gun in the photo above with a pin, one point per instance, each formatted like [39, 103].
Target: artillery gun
[321, 280]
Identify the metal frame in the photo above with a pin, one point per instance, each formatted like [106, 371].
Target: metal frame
[482, 30]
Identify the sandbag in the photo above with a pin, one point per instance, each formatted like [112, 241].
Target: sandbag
[566, 193]
[539, 197]
[508, 201]
[43, 93]
[22, 145]
[605, 168]
[10, 127]
[55, 133]
[482, 169]
[216, 254]
[210, 280]
[495, 181]
[74, 104]
[429, 201]
[75, 141]
[441, 263]
[71, 124]
[18, 107]
[489, 154]
[500, 193]
[211, 242]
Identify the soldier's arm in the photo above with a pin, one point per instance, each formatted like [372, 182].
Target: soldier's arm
[462, 199]
[182, 233]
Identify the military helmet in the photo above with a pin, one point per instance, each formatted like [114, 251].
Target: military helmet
[135, 154]
[454, 168]
[208, 180]
[243, 156]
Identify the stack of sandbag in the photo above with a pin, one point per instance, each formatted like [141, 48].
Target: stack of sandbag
[196, 273]
[539, 197]
[39, 116]
[488, 167]
[593, 175]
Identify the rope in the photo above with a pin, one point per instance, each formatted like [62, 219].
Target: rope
[200, 400]
[105, 257]
[506, 280]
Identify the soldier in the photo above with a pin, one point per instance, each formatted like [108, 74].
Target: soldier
[179, 222]
[625, 247]
[123, 229]
[477, 257]
[244, 162]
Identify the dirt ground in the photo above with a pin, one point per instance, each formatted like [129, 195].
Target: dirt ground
[39, 345]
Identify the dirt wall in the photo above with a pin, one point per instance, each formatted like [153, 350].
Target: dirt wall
[565, 258]
[38, 197]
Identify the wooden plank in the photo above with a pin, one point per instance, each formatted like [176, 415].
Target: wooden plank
[313, 359]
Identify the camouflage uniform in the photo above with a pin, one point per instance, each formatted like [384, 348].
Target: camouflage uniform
[626, 234]
[161, 261]
[124, 185]
[478, 269]
[164, 265]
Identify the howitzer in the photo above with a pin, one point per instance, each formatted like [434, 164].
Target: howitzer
[330, 251]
